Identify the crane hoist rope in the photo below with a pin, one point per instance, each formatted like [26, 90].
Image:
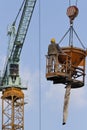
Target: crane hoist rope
[72, 12]
[75, 2]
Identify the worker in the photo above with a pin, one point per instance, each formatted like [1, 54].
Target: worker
[53, 51]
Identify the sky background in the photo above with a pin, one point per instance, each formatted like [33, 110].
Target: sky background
[49, 20]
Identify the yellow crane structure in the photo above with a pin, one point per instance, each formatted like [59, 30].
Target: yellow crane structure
[66, 65]
[10, 83]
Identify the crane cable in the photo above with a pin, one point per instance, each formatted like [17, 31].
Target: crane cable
[75, 35]
[75, 2]
[40, 94]
[73, 31]
[19, 12]
[69, 2]
[79, 40]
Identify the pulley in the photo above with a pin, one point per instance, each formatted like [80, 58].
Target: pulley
[72, 12]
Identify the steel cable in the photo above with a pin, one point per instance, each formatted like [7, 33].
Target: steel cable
[19, 12]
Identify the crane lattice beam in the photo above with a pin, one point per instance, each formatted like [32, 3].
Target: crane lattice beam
[22, 29]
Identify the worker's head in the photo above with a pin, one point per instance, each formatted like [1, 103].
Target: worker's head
[53, 40]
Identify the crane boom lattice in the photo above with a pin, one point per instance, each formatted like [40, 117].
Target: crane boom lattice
[22, 29]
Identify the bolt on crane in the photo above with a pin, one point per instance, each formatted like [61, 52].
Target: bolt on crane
[10, 83]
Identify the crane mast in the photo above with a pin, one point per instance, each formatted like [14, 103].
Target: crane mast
[10, 83]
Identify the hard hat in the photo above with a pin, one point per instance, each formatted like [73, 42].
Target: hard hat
[52, 40]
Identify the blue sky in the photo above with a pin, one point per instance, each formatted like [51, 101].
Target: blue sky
[53, 23]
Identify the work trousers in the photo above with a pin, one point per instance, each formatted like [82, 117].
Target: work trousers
[53, 63]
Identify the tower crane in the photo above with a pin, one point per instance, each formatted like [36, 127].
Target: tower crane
[10, 83]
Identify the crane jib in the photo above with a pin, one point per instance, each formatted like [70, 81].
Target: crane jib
[22, 29]
[21, 34]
